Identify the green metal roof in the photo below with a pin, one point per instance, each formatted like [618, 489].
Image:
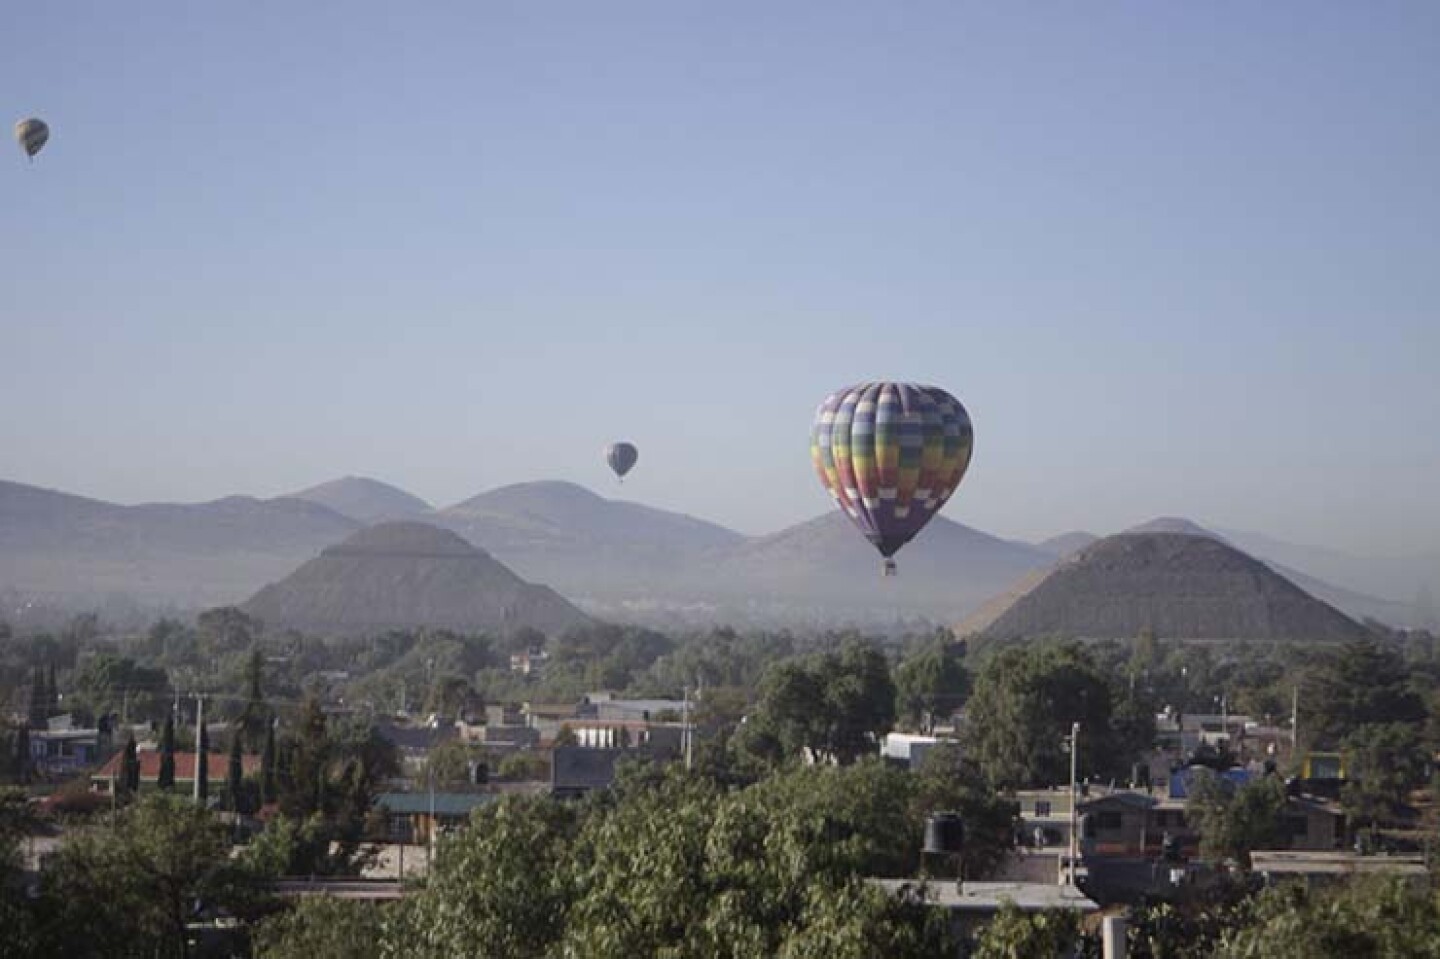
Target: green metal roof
[446, 804]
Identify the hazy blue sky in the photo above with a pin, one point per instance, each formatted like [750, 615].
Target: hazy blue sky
[1174, 257]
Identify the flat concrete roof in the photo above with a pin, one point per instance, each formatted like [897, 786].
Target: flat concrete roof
[991, 896]
[1326, 863]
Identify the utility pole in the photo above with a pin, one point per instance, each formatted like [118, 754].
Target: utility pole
[199, 721]
[1294, 722]
[685, 734]
[1074, 804]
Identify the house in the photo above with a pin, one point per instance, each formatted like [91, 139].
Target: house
[577, 770]
[909, 749]
[605, 706]
[62, 750]
[413, 743]
[414, 817]
[1314, 824]
[217, 769]
[530, 662]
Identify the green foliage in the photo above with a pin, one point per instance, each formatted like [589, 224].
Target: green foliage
[501, 889]
[321, 927]
[1234, 821]
[108, 683]
[1383, 763]
[946, 782]
[1019, 717]
[202, 763]
[523, 767]
[166, 779]
[1013, 934]
[449, 763]
[129, 891]
[931, 682]
[235, 796]
[1362, 683]
[130, 769]
[837, 705]
[1374, 918]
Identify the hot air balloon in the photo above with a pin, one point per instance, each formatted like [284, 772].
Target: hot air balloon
[621, 457]
[32, 135]
[891, 454]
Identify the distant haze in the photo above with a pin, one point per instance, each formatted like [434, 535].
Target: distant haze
[1175, 259]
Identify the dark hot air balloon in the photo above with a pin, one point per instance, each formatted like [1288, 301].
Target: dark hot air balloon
[32, 135]
[891, 454]
[621, 457]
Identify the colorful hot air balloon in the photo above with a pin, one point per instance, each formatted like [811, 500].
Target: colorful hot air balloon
[891, 454]
[31, 134]
[621, 457]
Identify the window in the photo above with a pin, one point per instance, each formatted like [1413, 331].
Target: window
[1108, 821]
[1042, 807]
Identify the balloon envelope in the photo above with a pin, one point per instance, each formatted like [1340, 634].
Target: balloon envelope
[891, 454]
[32, 135]
[621, 457]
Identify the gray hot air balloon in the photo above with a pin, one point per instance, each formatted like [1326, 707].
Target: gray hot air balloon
[32, 135]
[621, 457]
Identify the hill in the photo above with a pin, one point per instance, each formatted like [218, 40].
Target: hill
[1352, 603]
[403, 575]
[585, 544]
[62, 547]
[1066, 543]
[1180, 585]
[365, 500]
[825, 566]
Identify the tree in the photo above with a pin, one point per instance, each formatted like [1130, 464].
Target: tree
[946, 782]
[130, 768]
[322, 927]
[167, 755]
[931, 682]
[501, 889]
[1013, 934]
[308, 757]
[202, 764]
[235, 773]
[24, 764]
[267, 766]
[130, 891]
[1019, 716]
[1383, 763]
[255, 718]
[835, 705]
[39, 703]
[1362, 683]
[227, 629]
[1375, 917]
[1234, 821]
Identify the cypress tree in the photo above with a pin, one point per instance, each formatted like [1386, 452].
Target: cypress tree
[37, 706]
[22, 755]
[202, 762]
[52, 692]
[167, 755]
[267, 767]
[130, 767]
[235, 778]
[256, 713]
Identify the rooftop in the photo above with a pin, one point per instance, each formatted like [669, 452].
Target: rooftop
[991, 896]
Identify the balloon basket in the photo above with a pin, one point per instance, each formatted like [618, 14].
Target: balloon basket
[889, 567]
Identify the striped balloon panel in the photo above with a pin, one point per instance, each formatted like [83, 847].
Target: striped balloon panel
[891, 454]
